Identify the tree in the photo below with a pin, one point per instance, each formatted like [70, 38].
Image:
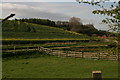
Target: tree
[75, 24]
[113, 12]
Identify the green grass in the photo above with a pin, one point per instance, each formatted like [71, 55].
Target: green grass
[37, 66]
[57, 67]
[55, 44]
[42, 32]
[39, 35]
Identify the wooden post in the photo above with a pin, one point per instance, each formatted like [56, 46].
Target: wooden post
[98, 56]
[118, 56]
[14, 49]
[75, 54]
[82, 54]
[66, 54]
[60, 54]
[27, 48]
[38, 49]
[96, 75]
[21, 49]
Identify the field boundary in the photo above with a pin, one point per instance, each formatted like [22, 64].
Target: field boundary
[73, 54]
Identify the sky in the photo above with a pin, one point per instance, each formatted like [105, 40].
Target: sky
[53, 11]
[48, 0]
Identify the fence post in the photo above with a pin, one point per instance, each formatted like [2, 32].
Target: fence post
[98, 56]
[60, 54]
[97, 75]
[14, 49]
[66, 54]
[21, 49]
[82, 54]
[118, 56]
[74, 54]
[38, 48]
[27, 48]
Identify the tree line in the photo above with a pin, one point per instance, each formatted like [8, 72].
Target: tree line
[59, 24]
[74, 24]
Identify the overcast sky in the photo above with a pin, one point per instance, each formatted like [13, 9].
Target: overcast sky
[48, 0]
[53, 11]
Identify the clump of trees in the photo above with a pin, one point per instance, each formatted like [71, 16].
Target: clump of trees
[76, 25]
[113, 12]
[38, 21]
[58, 24]
[17, 26]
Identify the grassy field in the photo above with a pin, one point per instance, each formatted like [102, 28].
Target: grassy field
[57, 67]
[34, 65]
[49, 44]
[42, 32]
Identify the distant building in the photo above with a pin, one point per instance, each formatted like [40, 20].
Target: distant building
[61, 22]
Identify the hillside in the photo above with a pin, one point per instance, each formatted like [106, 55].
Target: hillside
[87, 29]
[23, 30]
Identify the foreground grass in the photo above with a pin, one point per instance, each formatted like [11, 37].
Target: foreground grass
[57, 67]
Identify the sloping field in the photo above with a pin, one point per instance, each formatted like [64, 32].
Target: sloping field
[40, 32]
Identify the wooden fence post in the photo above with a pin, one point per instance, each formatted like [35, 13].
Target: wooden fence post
[59, 54]
[82, 54]
[21, 49]
[98, 56]
[38, 49]
[75, 54]
[14, 49]
[118, 56]
[66, 54]
[97, 75]
[27, 48]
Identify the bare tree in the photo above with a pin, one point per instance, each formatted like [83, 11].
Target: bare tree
[11, 15]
